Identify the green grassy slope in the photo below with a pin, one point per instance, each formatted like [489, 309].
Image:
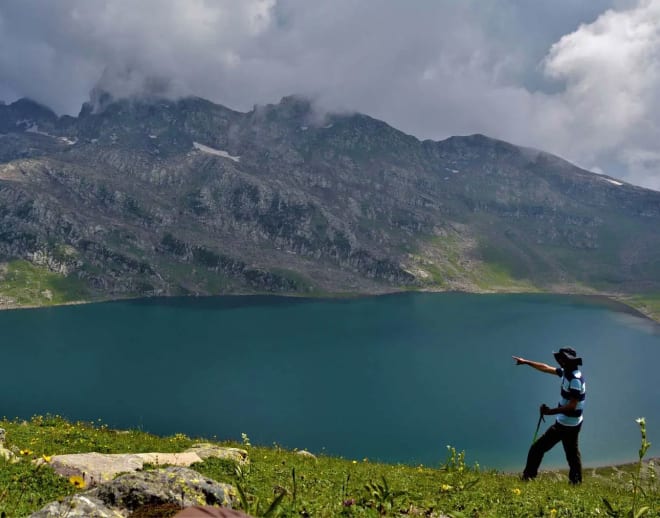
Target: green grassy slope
[25, 284]
[328, 486]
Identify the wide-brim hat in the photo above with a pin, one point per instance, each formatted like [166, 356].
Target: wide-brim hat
[568, 355]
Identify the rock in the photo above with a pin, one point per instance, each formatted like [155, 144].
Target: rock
[199, 511]
[119, 498]
[187, 458]
[174, 485]
[306, 454]
[206, 450]
[78, 506]
[8, 455]
[96, 468]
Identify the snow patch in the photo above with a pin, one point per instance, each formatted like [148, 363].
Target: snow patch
[153, 136]
[328, 126]
[304, 128]
[613, 182]
[217, 152]
[35, 129]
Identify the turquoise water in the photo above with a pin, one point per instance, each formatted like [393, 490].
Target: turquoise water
[394, 378]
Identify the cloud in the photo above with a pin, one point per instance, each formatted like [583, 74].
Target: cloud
[611, 71]
[185, 47]
[576, 78]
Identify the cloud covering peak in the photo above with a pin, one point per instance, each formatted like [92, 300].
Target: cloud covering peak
[573, 77]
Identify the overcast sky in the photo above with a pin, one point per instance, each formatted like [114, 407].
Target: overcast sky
[579, 78]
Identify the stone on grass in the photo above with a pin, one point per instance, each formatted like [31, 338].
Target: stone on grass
[122, 496]
[96, 468]
[206, 511]
[185, 459]
[78, 506]
[5, 453]
[306, 454]
[173, 485]
[8, 455]
[206, 450]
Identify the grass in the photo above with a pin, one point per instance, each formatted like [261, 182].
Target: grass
[442, 263]
[329, 486]
[25, 284]
[648, 304]
[440, 260]
[492, 276]
[303, 284]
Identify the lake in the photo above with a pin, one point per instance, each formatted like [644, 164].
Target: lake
[394, 378]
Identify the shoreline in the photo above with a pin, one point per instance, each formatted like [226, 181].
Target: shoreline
[615, 302]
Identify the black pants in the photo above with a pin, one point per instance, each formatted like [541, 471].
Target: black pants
[568, 435]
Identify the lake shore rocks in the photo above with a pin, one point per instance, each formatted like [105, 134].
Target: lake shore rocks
[97, 468]
[125, 494]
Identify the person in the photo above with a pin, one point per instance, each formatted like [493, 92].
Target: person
[569, 414]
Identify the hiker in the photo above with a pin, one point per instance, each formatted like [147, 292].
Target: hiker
[569, 414]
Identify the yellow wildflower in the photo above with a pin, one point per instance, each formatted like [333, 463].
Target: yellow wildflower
[354, 462]
[47, 458]
[516, 491]
[26, 452]
[446, 487]
[77, 481]
[553, 512]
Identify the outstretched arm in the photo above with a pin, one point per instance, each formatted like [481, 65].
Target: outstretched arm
[543, 367]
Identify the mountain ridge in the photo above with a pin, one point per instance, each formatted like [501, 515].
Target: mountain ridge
[164, 197]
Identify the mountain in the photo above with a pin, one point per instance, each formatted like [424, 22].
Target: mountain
[162, 197]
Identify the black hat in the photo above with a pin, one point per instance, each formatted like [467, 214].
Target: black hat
[568, 355]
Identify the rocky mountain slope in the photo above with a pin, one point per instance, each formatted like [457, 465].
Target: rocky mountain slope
[162, 197]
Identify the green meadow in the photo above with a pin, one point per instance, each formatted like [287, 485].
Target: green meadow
[280, 482]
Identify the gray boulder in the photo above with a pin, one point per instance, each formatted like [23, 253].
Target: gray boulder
[78, 506]
[120, 497]
[173, 485]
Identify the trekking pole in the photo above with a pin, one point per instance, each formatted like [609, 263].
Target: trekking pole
[538, 425]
